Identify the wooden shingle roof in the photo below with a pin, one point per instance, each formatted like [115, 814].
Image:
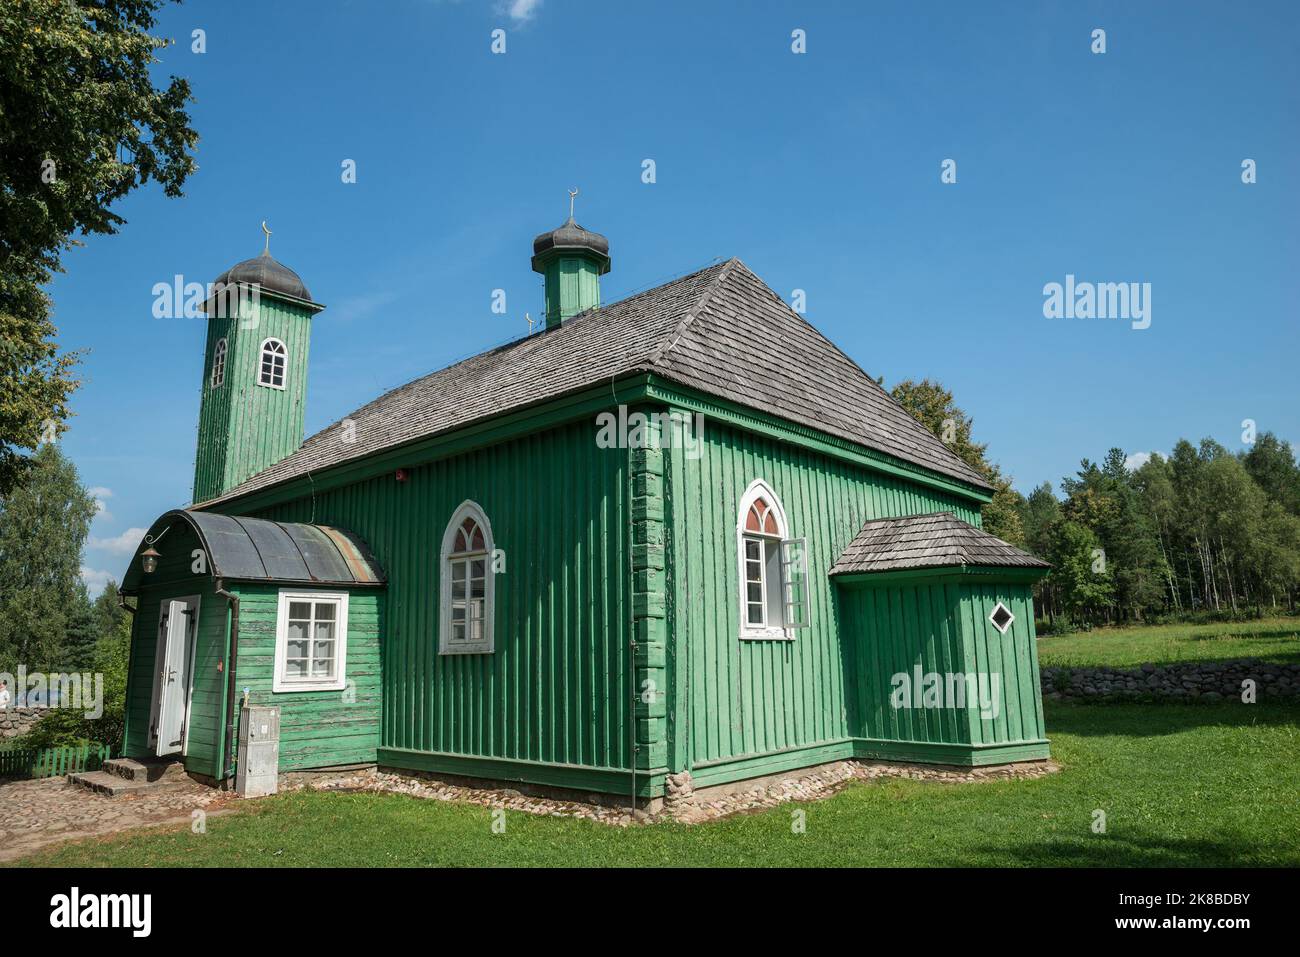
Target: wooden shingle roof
[937, 540]
[721, 331]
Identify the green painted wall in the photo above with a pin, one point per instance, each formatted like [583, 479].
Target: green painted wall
[555, 693]
[621, 576]
[174, 579]
[942, 626]
[244, 426]
[317, 728]
[572, 285]
[737, 699]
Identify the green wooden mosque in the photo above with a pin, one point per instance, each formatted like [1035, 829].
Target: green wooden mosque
[679, 533]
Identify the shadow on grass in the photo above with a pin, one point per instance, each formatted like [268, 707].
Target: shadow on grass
[1133, 850]
[1155, 719]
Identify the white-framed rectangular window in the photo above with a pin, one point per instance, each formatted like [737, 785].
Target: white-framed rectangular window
[311, 638]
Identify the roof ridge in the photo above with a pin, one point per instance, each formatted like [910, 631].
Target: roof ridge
[679, 330]
[876, 385]
[971, 475]
[519, 340]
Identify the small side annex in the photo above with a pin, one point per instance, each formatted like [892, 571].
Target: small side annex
[938, 625]
[235, 608]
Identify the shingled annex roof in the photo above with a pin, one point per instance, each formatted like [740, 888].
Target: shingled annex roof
[255, 549]
[721, 331]
[937, 540]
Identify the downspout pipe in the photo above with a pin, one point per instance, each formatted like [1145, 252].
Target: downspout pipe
[130, 667]
[232, 654]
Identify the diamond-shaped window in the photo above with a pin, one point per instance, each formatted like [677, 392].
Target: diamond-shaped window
[1001, 618]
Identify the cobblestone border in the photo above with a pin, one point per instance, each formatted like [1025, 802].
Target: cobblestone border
[684, 804]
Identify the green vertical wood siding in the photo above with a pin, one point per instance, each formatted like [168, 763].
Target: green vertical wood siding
[243, 426]
[555, 691]
[572, 285]
[746, 698]
[941, 626]
[317, 728]
[174, 579]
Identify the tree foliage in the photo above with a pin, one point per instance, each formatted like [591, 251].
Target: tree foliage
[82, 125]
[110, 657]
[43, 526]
[934, 407]
[1203, 531]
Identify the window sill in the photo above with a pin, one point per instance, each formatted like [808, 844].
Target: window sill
[293, 687]
[475, 650]
[767, 634]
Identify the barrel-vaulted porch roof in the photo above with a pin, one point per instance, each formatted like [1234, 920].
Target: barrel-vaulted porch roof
[239, 548]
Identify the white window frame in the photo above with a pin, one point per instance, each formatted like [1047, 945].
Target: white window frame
[446, 645]
[767, 631]
[337, 683]
[1011, 618]
[261, 359]
[219, 363]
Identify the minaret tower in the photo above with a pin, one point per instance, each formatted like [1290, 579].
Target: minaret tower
[572, 260]
[254, 372]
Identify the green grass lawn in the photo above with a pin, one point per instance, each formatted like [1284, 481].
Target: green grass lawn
[1181, 785]
[1269, 639]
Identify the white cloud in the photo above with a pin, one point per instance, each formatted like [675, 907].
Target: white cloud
[95, 579]
[123, 544]
[99, 493]
[1138, 459]
[521, 10]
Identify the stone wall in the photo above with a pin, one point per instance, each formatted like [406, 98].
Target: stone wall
[16, 721]
[1191, 681]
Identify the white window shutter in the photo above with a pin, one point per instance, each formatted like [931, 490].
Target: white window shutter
[794, 582]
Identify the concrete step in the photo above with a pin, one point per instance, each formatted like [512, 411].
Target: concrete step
[144, 769]
[109, 785]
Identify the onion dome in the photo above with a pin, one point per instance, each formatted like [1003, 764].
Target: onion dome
[571, 238]
[271, 276]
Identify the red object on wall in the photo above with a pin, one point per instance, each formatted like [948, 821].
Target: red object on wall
[401, 475]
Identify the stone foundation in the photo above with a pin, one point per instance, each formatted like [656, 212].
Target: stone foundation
[683, 803]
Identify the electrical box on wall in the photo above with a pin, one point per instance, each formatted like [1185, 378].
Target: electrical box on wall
[258, 765]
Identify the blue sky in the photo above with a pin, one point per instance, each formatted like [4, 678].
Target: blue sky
[821, 171]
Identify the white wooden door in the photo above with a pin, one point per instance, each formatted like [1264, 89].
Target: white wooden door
[178, 621]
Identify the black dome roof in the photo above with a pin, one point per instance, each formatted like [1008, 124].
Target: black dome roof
[571, 236]
[270, 275]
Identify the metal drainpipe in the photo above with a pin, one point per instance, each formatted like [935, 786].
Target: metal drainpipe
[130, 663]
[232, 654]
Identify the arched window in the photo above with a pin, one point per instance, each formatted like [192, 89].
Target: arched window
[466, 608]
[773, 568]
[219, 363]
[274, 356]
